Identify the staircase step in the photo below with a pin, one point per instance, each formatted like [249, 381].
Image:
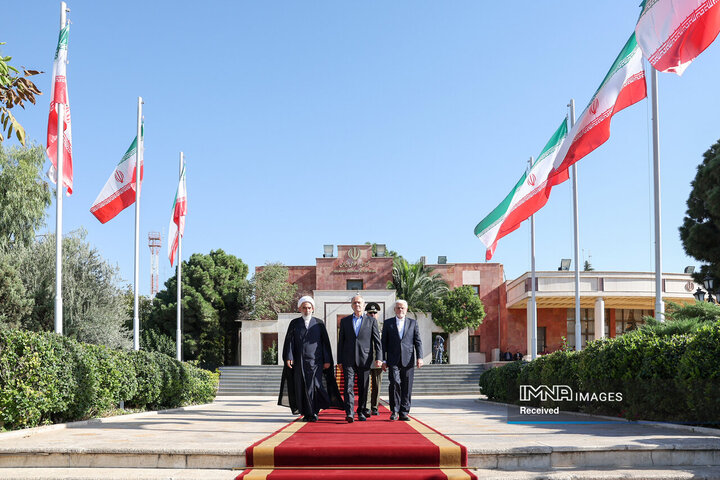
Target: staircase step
[32, 473]
[429, 380]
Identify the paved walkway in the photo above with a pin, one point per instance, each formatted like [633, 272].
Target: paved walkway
[217, 434]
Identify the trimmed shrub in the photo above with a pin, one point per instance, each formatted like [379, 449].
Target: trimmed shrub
[149, 378]
[46, 378]
[698, 375]
[501, 383]
[661, 377]
[34, 379]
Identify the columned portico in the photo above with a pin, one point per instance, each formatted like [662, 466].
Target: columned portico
[599, 318]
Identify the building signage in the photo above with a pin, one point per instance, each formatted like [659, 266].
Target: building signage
[353, 264]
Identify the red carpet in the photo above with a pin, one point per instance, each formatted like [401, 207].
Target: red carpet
[377, 448]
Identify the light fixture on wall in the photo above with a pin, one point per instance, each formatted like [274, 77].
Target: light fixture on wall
[380, 249]
[328, 250]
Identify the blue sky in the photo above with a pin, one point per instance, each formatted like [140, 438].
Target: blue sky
[337, 122]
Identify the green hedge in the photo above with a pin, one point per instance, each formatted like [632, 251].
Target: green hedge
[46, 378]
[661, 377]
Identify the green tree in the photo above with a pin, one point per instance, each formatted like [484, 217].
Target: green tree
[458, 309]
[24, 198]
[152, 338]
[15, 89]
[416, 284]
[700, 231]
[93, 307]
[215, 297]
[588, 266]
[272, 292]
[13, 298]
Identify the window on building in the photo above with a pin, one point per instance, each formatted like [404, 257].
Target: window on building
[354, 285]
[541, 345]
[476, 289]
[474, 343]
[627, 320]
[587, 322]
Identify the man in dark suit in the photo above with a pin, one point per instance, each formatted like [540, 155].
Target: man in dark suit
[402, 351]
[358, 343]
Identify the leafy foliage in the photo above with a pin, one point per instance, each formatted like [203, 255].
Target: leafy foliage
[270, 355]
[683, 318]
[46, 378]
[660, 377]
[458, 309]
[416, 284]
[272, 292]
[93, 310]
[216, 295]
[13, 298]
[15, 90]
[700, 231]
[24, 198]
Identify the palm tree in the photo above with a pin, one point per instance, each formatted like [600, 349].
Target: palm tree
[415, 283]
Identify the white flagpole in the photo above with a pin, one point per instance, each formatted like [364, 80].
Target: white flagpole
[138, 166]
[659, 305]
[533, 340]
[178, 339]
[576, 237]
[59, 201]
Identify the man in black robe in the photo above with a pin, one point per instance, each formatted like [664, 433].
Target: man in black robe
[308, 382]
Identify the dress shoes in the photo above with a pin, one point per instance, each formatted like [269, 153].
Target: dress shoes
[361, 417]
[393, 416]
[366, 412]
[313, 418]
[349, 419]
[374, 411]
[404, 417]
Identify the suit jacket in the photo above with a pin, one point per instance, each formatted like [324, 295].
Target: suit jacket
[401, 351]
[357, 350]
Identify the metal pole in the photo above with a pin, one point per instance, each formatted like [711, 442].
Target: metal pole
[138, 164]
[576, 236]
[178, 339]
[59, 202]
[659, 305]
[533, 341]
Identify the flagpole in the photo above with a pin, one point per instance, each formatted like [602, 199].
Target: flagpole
[59, 201]
[576, 239]
[533, 340]
[659, 305]
[178, 339]
[138, 166]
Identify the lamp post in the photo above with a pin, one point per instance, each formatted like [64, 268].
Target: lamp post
[709, 284]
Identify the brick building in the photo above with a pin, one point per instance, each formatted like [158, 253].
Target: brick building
[611, 304]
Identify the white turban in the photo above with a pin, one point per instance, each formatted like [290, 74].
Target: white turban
[306, 298]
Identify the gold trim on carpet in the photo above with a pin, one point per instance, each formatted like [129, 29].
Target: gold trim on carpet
[257, 474]
[455, 474]
[450, 452]
[264, 453]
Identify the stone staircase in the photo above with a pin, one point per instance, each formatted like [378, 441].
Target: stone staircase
[429, 380]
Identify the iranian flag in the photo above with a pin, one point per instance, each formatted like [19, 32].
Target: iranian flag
[59, 95]
[119, 191]
[623, 86]
[671, 33]
[528, 196]
[177, 221]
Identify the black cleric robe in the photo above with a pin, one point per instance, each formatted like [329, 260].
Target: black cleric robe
[306, 388]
